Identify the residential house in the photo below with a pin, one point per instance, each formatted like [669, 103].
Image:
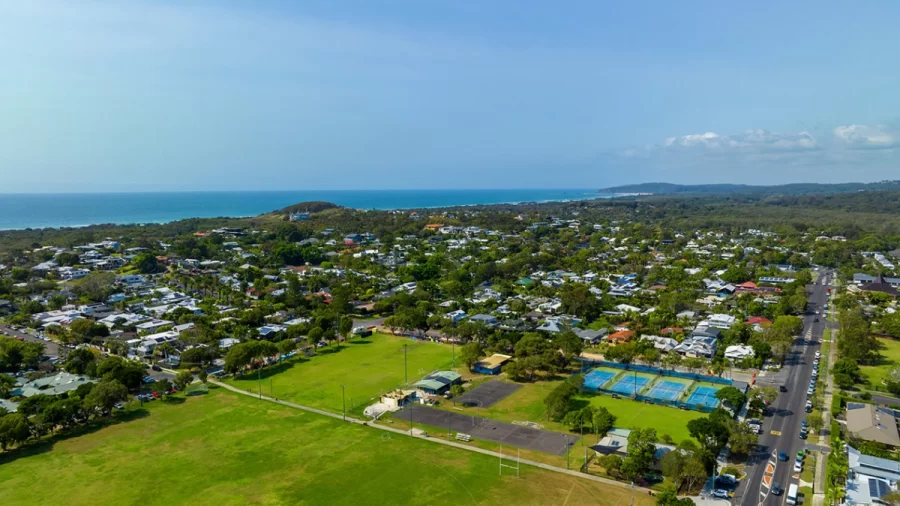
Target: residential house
[591, 337]
[739, 352]
[663, 344]
[697, 346]
[489, 320]
[872, 423]
[616, 443]
[869, 478]
[622, 336]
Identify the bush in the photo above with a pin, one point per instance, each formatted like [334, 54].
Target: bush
[866, 396]
[667, 439]
[835, 434]
[837, 405]
[731, 470]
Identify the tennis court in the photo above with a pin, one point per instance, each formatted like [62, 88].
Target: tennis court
[597, 378]
[630, 385]
[666, 390]
[704, 396]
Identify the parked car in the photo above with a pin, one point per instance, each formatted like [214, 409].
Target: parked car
[156, 367]
[798, 466]
[729, 479]
[720, 493]
[803, 434]
[783, 388]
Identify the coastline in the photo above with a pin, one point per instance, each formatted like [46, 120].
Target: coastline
[82, 210]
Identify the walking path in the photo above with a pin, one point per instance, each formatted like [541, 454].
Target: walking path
[454, 444]
[825, 433]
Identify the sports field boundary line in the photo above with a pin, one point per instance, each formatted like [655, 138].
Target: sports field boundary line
[454, 444]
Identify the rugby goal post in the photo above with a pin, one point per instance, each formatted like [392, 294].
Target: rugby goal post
[509, 466]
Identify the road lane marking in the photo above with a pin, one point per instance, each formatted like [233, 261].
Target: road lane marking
[775, 432]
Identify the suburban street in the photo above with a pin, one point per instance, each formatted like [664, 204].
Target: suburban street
[781, 430]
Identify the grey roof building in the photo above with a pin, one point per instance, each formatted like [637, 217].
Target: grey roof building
[872, 423]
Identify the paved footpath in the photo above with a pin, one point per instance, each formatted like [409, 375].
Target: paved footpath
[454, 444]
[825, 433]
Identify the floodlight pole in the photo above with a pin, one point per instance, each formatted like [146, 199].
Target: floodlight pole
[453, 351]
[405, 371]
[567, 452]
[259, 382]
[343, 401]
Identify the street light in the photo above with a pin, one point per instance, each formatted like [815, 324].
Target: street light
[343, 401]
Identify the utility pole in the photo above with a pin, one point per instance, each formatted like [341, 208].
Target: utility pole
[405, 371]
[567, 452]
[453, 351]
[259, 382]
[343, 401]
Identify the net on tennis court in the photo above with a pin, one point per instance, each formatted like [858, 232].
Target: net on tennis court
[666, 390]
[597, 378]
[630, 385]
[704, 396]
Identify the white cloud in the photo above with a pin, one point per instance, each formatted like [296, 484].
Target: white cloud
[866, 137]
[750, 141]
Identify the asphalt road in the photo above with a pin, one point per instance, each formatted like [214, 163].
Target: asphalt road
[51, 349]
[781, 430]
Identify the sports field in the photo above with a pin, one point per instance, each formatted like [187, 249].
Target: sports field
[368, 367]
[224, 449]
[527, 404]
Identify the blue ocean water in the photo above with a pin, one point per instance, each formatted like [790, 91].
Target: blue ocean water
[19, 211]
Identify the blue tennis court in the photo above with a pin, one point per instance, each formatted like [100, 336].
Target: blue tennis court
[597, 378]
[629, 385]
[704, 396]
[666, 390]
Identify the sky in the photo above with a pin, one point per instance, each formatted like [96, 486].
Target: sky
[406, 94]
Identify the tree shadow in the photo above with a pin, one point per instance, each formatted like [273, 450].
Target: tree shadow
[47, 443]
[173, 400]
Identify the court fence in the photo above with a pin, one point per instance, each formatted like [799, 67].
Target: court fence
[587, 363]
[662, 373]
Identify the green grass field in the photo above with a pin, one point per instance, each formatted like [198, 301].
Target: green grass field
[527, 404]
[224, 449]
[890, 353]
[368, 367]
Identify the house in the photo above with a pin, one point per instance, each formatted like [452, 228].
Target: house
[869, 478]
[622, 336]
[552, 326]
[872, 423]
[738, 352]
[438, 383]
[51, 385]
[491, 365]
[663, 344]
[591, 337]
[6, 307]
[697, 346]
[709, 332]
[720, 321]
[880, 285]
[616, 443]
[456, 316]
[489, 320]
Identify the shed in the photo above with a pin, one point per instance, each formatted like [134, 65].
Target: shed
[491, 365]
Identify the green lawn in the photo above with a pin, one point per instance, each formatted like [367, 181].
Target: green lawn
[527, 404]
[890, 357]
[368, 367]
[224, 449]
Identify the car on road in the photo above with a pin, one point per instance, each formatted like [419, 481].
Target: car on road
[804, 423]
[801, 455]
[798, 466]
[809, 392]
[803, 434]
[783, 388]
[720, 493]
[776, 489]
[783, 456]
[156, 368]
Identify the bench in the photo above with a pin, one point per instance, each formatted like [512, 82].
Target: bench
[463, 437]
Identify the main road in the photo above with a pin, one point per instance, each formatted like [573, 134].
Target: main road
[781, 430]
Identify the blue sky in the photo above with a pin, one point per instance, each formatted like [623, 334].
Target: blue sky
[204, 95]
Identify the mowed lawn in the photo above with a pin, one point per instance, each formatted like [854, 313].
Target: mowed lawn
[368, 367]
[527, 405]
[890, 353]
[229, 449]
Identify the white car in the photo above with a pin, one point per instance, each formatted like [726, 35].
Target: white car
[721, 494]
[798, 466]
[818, 354]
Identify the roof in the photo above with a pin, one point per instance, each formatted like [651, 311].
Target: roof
[872, 423]
[52, 385]
[880, 285]
[493, 361]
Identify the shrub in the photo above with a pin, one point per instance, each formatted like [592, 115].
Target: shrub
[731, 470]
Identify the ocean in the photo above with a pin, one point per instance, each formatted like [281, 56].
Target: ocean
[18, 211]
